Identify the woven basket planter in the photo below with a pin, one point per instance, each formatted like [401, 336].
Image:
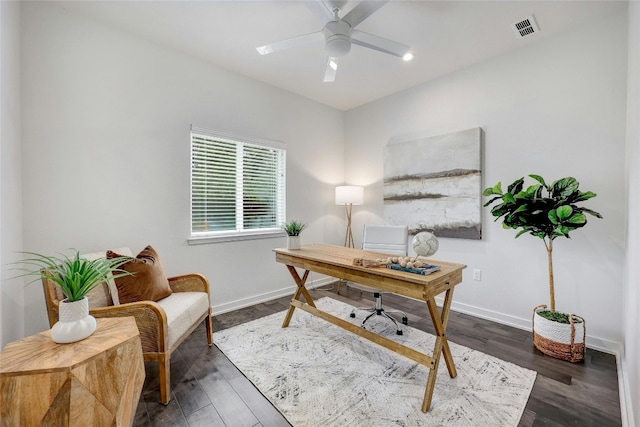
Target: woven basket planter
[560, 340]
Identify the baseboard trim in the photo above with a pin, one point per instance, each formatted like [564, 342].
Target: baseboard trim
[626, 405]
[267, 296]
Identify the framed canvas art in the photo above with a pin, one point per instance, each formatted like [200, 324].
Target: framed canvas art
[435, 184]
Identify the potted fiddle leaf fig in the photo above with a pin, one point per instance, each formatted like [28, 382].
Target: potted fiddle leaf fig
[547, 211]
[293, 229]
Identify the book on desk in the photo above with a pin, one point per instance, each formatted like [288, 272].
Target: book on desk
[423, 269]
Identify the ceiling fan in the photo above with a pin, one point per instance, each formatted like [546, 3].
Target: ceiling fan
[339, 34]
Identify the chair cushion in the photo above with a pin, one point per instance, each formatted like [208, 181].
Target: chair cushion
[386, 239]
[103, 296]
[149, 281]
[183, 309]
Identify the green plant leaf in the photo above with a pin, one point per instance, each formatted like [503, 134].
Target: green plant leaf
[564, 212]
[577, 219]
[515, 186]
[564, 187]
[492, 200]
[489, 192]
[496, 189]
[553, 217]
[585, 196]
[590, 212]
[499, 210]
[75, 276]
[508, 198]
[294, 227]
[539, 179]
[521, 208]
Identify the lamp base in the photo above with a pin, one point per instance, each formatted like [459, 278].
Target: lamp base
[348, 238]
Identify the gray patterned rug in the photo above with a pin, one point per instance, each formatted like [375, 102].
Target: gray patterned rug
[318, 374]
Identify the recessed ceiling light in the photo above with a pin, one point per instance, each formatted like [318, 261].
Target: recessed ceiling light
[408, 56]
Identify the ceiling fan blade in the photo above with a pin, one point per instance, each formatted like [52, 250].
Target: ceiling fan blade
[320, 9]
[330, 70]
[362, 11]
[379, 43]
[295, 42]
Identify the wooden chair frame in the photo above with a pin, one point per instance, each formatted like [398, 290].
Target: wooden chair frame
[151, 320]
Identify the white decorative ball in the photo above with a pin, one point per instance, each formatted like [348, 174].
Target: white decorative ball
[425, 243]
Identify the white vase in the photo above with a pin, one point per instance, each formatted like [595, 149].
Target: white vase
[75, 322]
[293, 242]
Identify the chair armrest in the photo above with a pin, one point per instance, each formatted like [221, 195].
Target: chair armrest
[150, 318]
[190, 283]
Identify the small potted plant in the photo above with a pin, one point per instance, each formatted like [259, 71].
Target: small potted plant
[547, 211]
[293, 229]
[76, 277]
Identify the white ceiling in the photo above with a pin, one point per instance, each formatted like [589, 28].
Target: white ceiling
[444, 35]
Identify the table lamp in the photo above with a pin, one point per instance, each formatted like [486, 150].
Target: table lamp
[349, 195]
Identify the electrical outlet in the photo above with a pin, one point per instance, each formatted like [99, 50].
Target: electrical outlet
[477, 274]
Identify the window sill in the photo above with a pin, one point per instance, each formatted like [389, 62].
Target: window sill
[234, 237]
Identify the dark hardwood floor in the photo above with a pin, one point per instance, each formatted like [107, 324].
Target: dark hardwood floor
[207, 390]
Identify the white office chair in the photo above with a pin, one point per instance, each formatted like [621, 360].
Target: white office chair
[389, 240]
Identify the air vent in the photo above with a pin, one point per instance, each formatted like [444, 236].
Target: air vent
[525, 27]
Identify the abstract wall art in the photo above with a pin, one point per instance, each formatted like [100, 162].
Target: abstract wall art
[435, 184]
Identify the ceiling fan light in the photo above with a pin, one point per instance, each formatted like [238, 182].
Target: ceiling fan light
[264, 50]
[408, 56]
[337, 45]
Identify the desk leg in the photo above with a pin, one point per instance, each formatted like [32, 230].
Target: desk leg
[302, 291]
[441, 346]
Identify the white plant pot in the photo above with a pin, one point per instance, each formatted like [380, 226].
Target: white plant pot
[75, 322]
[559, 332]
[560, 340]
[293, 242]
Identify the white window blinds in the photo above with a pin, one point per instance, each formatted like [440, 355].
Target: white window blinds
[237, 186]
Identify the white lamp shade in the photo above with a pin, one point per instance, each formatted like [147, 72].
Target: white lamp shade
[349, 195]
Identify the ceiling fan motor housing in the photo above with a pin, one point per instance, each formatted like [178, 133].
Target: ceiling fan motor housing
[337, 36]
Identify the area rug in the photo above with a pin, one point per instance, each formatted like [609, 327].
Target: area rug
[317, 374]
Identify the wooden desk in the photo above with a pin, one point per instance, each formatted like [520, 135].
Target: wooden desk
[94, 382]
[337, 261]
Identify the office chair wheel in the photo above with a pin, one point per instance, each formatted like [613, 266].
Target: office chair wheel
[405, 321]
[399, 332]
[352, 315]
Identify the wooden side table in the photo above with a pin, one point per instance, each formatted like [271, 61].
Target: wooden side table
[93, 382]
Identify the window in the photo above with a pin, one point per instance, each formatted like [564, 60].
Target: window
[237, 187]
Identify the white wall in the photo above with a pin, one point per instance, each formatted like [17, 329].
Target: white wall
[631, 291]
[11, 294]
[106, 121]
[554, 108]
